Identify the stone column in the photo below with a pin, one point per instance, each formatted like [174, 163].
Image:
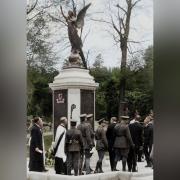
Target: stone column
[73, 86]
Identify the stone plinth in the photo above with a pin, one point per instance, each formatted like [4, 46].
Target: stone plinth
[73, 86]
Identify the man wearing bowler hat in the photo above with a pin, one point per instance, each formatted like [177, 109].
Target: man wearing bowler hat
[73, 147]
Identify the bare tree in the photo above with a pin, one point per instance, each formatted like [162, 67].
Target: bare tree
[120, 13]
[122, 29]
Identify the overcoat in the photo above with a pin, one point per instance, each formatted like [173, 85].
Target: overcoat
[86, 135]
[122, 135]
[101, 140]
[136, 130]
[36, 159]
[110, 135]
[74, 141]
[148, 135]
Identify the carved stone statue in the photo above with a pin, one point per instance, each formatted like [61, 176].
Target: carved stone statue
[75, 23]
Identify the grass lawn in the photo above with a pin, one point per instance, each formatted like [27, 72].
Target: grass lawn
[48, 141]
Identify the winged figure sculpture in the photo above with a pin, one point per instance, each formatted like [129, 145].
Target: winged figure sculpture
[75, 23]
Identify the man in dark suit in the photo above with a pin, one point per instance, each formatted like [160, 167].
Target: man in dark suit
[36, 162]
[123, 142]
[136, 130]
[148, 139]
[73, 147]
[101, 144]
[111, 139]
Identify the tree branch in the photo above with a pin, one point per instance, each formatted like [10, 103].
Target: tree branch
[121, 8]
[34, 16]
[74, 7]
[130, 41]
[101, 20]
[115, 27]
[63, 13]
[32, 7]
[56, 19]
[134, 4]
[86, 36]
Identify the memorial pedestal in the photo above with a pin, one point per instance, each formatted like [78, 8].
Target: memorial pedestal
[73, 86]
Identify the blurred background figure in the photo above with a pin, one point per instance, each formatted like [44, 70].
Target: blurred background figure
[148, 139]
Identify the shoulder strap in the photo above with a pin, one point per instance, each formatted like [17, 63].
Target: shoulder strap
[55, 149]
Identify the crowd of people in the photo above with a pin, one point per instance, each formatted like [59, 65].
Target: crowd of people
[125, 140]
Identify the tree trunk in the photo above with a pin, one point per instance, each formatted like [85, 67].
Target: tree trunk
[124, 47]
[122, 103]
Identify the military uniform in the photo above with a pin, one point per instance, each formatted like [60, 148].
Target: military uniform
[73, 147]
[89, 124]
[101, 145]
[122, 143]
[87, 141]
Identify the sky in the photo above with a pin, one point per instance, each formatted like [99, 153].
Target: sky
[99, 41]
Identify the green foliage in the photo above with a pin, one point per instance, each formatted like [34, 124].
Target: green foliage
[39, 50]
[39, 95]
[139, 86]
[40, 64]
[140, 101]
[101, 74]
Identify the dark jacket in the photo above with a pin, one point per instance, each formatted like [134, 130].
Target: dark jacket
[36, 159]
[73, 141]
[136, 130]
[110, 135]
[86, 135]
[122, 136]
[101, 140]
[148, 134]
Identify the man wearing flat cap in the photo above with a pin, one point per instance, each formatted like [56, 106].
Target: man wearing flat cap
[73, 147]
[87, 141]
[123, 142]
[101, 144]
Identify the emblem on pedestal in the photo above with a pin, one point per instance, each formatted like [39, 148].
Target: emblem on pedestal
[60, 99]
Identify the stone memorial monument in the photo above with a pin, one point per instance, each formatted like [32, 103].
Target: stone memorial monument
[73, 90]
